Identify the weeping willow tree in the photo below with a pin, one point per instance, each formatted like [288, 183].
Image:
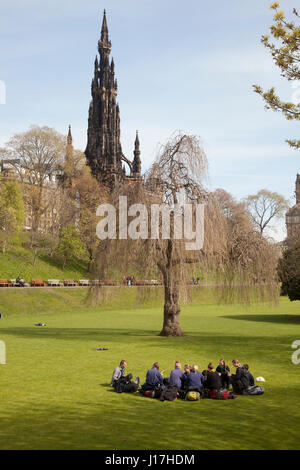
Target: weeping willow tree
[168, 222]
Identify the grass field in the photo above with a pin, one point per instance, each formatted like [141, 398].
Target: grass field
[55, 390]
[19, 261]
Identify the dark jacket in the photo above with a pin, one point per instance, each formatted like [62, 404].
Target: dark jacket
[240, 380]
[213, 381]
[251, 379]
[224, 375]
[184, 379]
[222, 369]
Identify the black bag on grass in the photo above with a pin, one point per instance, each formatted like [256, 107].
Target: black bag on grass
[254, 390]
[169, 393]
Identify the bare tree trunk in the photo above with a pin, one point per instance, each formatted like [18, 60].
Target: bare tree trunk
[91, 261]
[35, 256]
[172, 309]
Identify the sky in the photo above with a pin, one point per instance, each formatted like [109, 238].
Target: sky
[186, 66]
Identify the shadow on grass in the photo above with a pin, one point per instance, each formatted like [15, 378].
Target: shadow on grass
[123, 421]
[288, 319]
[76, 333]
[78, 266]
[270, 347]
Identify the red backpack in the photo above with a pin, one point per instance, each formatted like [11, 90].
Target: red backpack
[219, 394]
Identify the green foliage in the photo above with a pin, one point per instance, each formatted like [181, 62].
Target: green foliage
[18, 260]
[11, 211]
[286, 55]
[289, 272]
[70, 245]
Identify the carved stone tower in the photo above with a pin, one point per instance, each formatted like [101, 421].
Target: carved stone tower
[104, 152]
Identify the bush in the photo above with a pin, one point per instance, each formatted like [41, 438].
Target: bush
[289, 272]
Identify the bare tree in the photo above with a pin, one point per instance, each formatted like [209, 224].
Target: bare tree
[178, 173]
[40, 151]
[265, 206]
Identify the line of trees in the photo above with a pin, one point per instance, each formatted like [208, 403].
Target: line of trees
[55, 187]
[53, 196]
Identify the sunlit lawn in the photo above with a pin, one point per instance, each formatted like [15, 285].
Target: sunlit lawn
[55, 390]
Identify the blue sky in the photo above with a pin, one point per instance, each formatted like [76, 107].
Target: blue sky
[180, 65]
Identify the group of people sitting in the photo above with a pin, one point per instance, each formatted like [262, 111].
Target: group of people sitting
[207, 383]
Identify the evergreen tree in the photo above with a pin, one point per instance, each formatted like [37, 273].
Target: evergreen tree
[289, 272]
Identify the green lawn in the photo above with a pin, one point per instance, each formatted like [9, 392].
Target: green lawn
[18, 261]
[54, 387]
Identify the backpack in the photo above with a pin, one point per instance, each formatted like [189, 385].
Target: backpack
[149, 393]
[219, 394]
[158, 390]
[192, 396]
[119, 386]
[254, 390]
[169, 393]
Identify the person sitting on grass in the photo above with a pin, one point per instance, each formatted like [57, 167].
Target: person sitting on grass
[154, 378]
[250, 376]
[187, 371]
[213, 379]
[122, 383]
[224, 370]
[19, 282]
[240, 380]
[194, 379]
[176, 375]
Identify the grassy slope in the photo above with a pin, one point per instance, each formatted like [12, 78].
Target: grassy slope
[18, 261]
[54, 387]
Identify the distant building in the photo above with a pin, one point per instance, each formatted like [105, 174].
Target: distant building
[293, 215]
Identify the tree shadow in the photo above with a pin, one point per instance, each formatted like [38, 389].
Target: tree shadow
[266, 318]
[96, 334]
